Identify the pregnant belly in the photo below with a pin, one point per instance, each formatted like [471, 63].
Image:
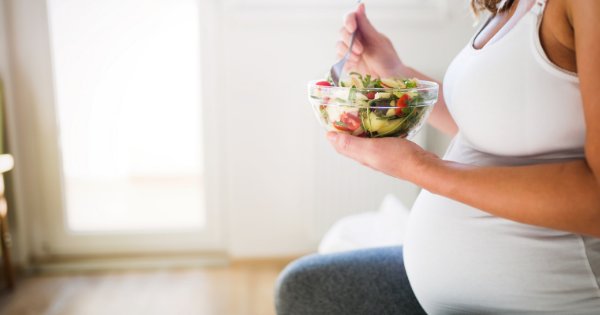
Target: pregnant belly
[461, 260]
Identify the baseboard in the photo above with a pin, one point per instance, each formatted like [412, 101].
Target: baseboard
[69, 265]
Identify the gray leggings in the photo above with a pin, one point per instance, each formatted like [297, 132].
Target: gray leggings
[366, 281]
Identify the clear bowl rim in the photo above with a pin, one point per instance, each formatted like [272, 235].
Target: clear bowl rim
[362, 106]
[430, 85]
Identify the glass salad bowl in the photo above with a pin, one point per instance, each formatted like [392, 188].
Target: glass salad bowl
[388, 108]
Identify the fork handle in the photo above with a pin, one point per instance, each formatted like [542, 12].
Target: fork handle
[350, 46]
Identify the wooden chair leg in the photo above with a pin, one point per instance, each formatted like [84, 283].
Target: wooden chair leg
[5, 239]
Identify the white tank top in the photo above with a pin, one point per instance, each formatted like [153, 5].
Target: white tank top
[513, 107]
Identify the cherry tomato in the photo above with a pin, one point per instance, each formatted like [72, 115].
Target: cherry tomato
[323, 83]
[351, 120]
[371, 95]
[362, 135]
[341, 128]
[401, 104]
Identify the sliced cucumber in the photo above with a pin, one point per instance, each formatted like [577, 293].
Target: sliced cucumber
[373, 124]
[390, 112]
[392, 124]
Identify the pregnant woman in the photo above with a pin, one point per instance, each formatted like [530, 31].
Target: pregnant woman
[508, 222]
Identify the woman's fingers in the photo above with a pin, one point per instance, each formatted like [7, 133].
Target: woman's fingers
[368, 152]
[349, 66]
[352, 64]
[361, 150]
[341, 49]
[357, 47]
[393, 156]
[350, 21]
[352, 60]
[345, 145]
[366, 28]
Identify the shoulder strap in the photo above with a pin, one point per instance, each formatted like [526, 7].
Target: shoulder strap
[538, 7]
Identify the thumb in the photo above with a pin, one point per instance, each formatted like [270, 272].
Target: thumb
[350, 146]
[364, 25]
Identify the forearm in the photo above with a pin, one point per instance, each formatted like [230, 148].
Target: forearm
[561, 196]
[440, 117]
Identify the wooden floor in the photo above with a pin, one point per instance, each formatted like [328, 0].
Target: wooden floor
[240, 289]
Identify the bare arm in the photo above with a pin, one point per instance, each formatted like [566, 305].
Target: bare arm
[440, 117]
[584, 18]
[561, 196]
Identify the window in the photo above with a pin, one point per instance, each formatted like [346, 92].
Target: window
[127, 86]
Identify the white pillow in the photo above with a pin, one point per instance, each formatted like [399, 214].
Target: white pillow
[385, 227]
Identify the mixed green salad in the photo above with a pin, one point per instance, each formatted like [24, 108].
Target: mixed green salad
[373, 107]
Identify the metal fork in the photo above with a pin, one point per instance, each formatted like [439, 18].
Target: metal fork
[336, 70]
